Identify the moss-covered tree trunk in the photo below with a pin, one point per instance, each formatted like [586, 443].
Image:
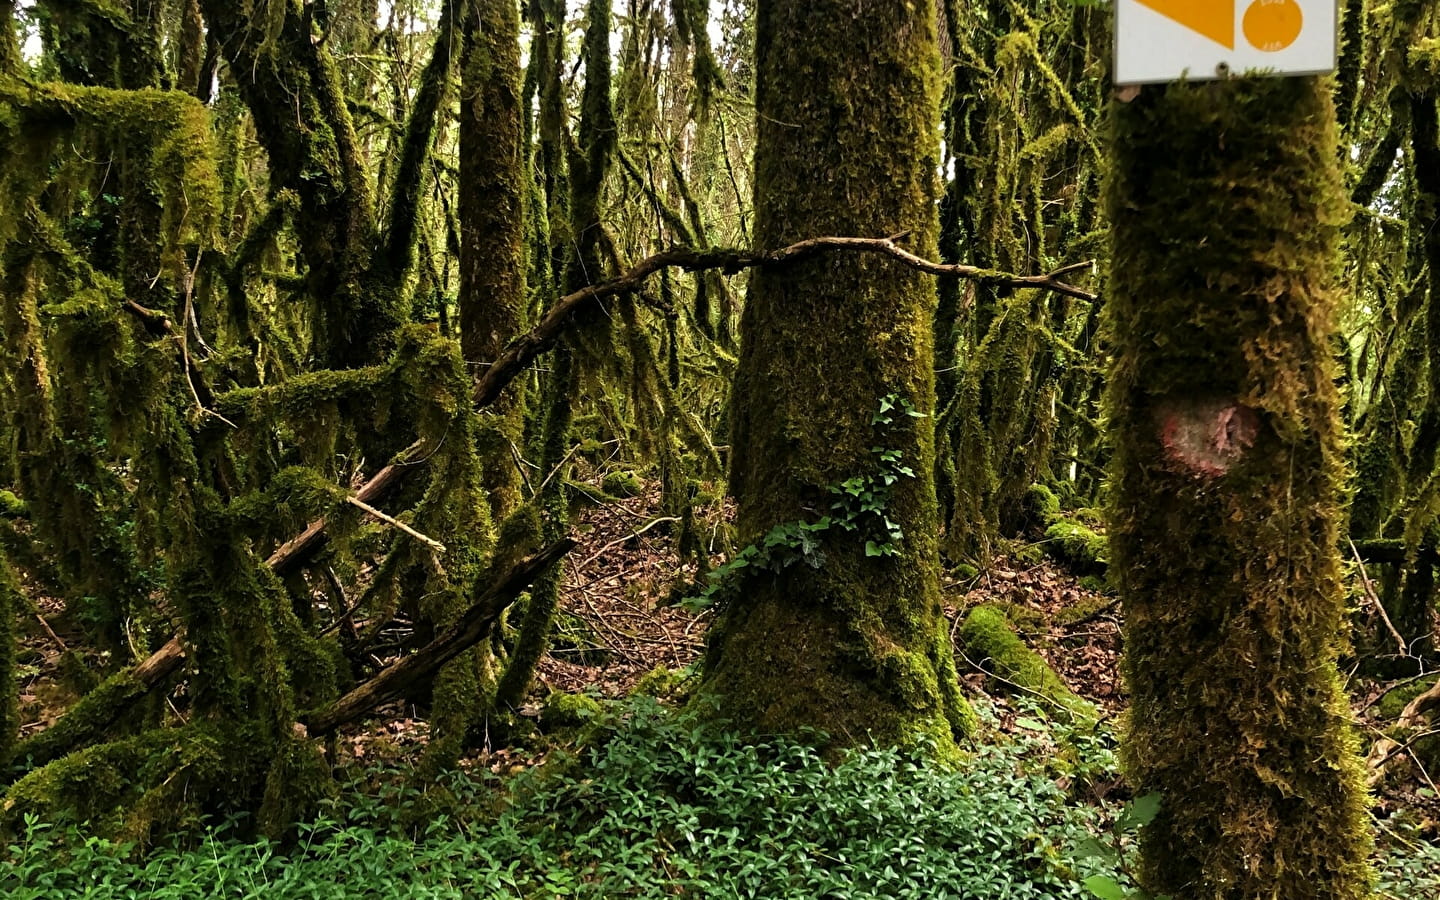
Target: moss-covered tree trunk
[10, 58]
[847, 143]
[1225, 200]
[11, 602]
[292, 87]
[492, 226]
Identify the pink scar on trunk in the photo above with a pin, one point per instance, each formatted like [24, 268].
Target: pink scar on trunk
[1207, 436]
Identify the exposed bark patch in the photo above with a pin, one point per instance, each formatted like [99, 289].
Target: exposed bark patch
[1207, 435]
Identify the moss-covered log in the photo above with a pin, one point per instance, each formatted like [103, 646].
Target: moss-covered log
[101, 707]
[1225, 200]
[993, 646]
[847, 123]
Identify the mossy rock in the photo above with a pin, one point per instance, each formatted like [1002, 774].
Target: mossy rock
[965, 572]
[1078, 547]
[664, 684]
[1393, 704]
[12, 507]
[986, 636]
[1086, 608]
[623, 484]
[562, 710]
[1040, 506]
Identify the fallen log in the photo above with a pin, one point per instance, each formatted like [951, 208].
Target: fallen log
[473, 626]
[103, 706]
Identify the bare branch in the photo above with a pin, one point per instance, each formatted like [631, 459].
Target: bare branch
[524, 349]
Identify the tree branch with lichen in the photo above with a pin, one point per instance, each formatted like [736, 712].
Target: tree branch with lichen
[524, 349]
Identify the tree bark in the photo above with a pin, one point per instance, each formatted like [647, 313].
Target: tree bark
[492, 226]
[11, 62]
[1225, 200]
[292, 88]
[847, 107]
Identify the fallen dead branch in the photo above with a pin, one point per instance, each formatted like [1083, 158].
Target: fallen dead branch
[472, 627]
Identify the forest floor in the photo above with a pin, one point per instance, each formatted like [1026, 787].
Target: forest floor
[783, 823]
[621, 619]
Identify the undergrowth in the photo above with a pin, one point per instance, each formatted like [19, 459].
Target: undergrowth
[662, 805]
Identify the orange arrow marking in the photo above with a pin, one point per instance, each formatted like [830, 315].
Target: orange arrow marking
[1213, 18]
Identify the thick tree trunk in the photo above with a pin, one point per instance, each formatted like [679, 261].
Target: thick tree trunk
[847, 122]
[1224, 199]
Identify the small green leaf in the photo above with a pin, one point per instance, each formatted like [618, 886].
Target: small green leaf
[1141, 811]
[1104, 887]
[873, 549]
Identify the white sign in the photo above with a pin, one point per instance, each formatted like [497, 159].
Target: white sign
[1164, 40]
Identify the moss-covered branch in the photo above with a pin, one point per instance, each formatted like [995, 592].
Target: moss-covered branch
[544, 335]
[419, 143]
[472, 627]
[102, 707]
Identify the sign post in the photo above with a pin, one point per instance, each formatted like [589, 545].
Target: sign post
[1164, 40]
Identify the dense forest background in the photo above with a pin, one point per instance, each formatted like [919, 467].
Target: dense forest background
[331, 328]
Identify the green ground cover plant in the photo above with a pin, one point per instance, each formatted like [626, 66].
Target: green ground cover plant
[662, 805]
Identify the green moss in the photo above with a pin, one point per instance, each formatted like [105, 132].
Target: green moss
[1077, 546]
[12, 507]
[156, 781]
[1225, 199]
[1084, 609]
[989, 641]
[1023, 618]
[87, 721]
[562, 710]
[623, 484]
[1394, 702]
[664, 683]
[1041, 503]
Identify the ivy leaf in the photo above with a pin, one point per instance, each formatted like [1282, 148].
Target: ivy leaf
[873, 549]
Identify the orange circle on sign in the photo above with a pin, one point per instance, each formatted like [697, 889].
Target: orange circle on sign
[1272, 25]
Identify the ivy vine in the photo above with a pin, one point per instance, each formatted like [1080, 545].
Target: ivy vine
[859, 509]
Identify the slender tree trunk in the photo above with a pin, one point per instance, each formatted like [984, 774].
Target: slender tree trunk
[492, 227]
[10, 58]
[847, 118]
[11, 602]
[1225, 200]
[292, 88]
